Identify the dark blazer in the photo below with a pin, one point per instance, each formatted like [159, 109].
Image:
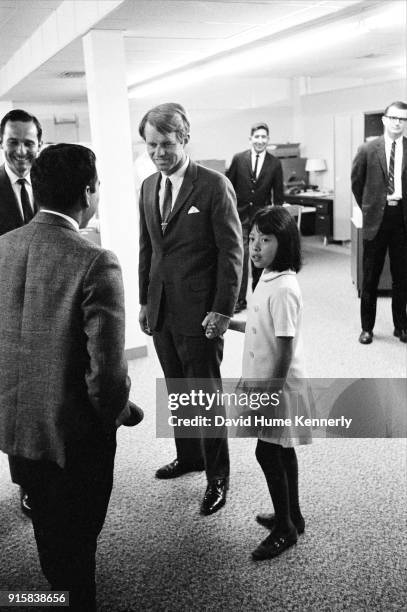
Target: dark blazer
[10, 215]
[369, 184]
[198, 261]
[63, 371]
[268, 189]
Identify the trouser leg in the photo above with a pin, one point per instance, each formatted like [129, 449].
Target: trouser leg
[398, 268]
[245, 270]
[374, 252]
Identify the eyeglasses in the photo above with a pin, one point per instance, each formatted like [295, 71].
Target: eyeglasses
[401, 119]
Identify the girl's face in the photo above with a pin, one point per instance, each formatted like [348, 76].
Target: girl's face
[262, 248]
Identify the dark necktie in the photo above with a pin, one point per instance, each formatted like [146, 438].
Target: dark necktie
[255, 166]
[390, 182]
[25, 201]
[167, 204]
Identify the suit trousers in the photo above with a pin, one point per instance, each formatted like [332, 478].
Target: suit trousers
[190, 363]
[68, 511]
[392, 237]
[256, 272]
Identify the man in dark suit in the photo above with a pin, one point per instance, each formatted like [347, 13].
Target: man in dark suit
[257, 177]
[189, 274]
[20, 139]
[63, 376]
[379, 184]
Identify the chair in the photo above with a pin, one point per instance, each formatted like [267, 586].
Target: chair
[295, 210]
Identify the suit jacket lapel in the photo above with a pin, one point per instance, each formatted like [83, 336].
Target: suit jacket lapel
[381, 153]
[152, 204]
[248, 161]
[264, 168]
[186, 189]
[404, 160]
[9, 202]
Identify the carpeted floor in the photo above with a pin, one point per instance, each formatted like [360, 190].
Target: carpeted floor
[157, 553]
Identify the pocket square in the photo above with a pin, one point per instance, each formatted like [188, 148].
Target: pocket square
[192, 210]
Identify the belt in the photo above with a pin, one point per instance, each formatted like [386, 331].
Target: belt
[392, 202]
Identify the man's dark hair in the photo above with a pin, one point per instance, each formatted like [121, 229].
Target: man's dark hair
[20, 115]
[167, 118]
[259, 126]
[277, 220]
[60, 175]
[398, 104]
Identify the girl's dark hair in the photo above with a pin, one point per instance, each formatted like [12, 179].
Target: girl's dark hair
[277, 220]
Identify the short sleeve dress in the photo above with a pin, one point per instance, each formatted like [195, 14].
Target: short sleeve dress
[276, 310]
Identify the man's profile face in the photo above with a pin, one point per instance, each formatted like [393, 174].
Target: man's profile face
[20, 145]
[259, 140]
[165, 150]
[394, 121]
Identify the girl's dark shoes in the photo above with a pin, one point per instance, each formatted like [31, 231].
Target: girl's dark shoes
[274, 545]
[268, 521]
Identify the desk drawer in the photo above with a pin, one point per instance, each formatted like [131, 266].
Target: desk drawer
[322, 224]
[322, 208]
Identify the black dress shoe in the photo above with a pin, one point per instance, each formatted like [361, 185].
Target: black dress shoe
[215, 496]
[401, 334]
[175, 469]
[366, 337]
[25, 503]
[274, 545]
[269, 521]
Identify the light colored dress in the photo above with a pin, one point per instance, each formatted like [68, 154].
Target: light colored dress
[276, 310]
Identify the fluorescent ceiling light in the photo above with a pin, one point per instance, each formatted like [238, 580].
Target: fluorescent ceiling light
[310, 42]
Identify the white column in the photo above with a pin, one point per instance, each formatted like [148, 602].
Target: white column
[111, 140]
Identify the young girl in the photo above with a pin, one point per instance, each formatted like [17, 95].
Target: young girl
[273, 350]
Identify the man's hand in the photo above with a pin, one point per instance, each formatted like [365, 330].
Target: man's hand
[143, 320]
[215, 325]
[130, 416]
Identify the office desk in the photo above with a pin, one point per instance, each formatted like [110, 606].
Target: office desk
[323, 210]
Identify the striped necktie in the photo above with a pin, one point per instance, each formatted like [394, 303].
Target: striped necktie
[390, 182]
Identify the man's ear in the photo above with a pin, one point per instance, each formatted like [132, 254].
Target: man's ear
[86, 197]
[40, 143]
[186, 139]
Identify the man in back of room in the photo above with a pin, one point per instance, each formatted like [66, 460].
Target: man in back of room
[257, 177]
[379, 184]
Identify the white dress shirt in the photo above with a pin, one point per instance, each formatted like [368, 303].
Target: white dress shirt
[72, 221]
[260, 161]
[176, 181]
[17, 187]
[398, 157]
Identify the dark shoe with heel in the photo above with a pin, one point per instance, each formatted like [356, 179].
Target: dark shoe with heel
[215, 496]
[269, 521]
[275, 544]
[401, 334]
[176, 468]
[366, 337]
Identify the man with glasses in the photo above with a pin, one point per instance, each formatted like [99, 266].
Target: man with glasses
[379, 184]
